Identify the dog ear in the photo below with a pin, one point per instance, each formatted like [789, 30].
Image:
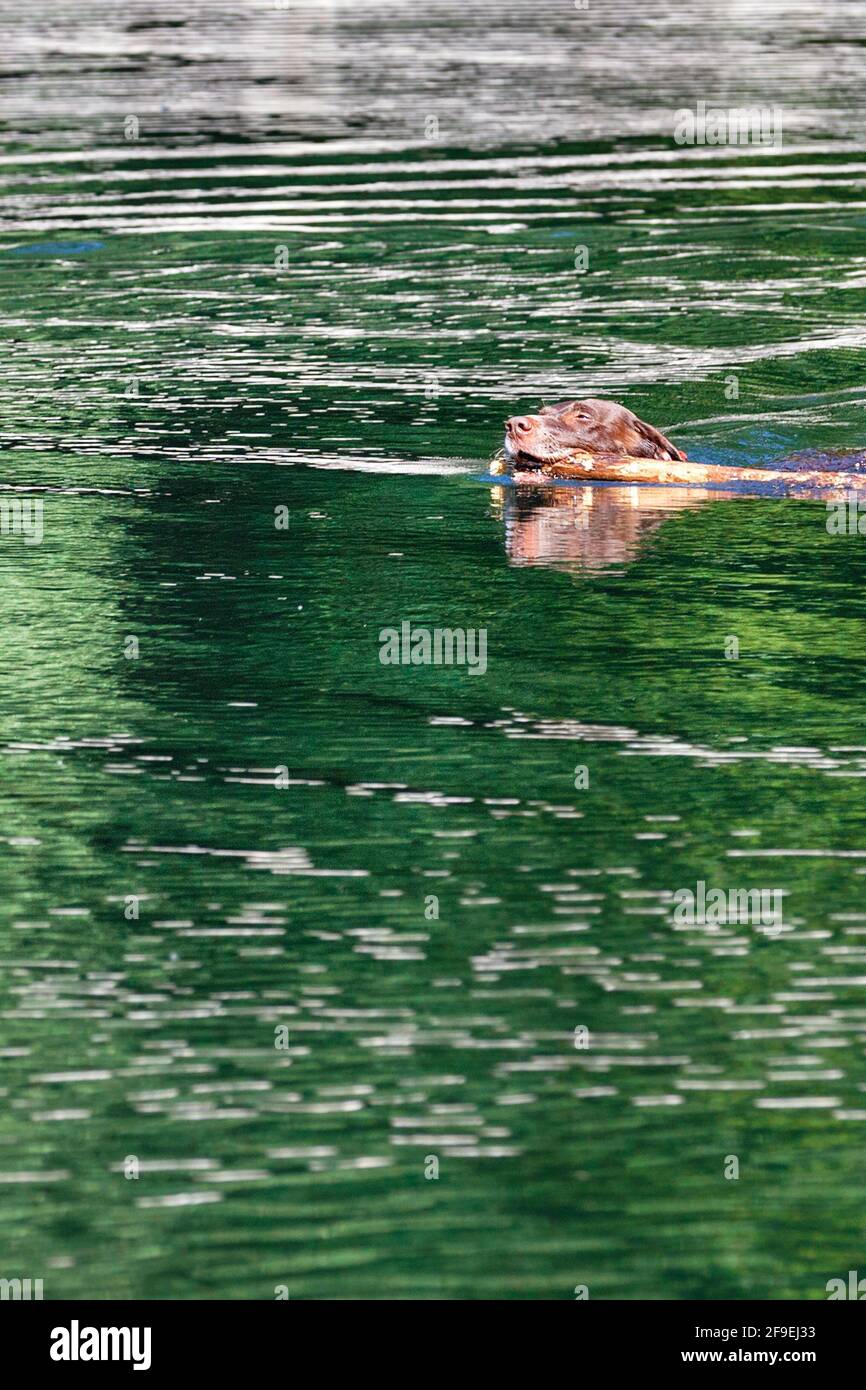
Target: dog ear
[653, 443]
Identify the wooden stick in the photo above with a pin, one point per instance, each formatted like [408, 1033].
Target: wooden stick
[625, 469]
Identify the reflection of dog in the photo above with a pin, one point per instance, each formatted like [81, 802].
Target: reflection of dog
[588, 528]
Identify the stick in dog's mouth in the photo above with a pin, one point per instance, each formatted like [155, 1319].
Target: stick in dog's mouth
[524, 460]
[526, 465]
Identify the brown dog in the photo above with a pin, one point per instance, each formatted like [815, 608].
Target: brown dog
[599, 441]
[594, 427]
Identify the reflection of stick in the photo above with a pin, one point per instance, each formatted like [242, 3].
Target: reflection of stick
[624, 469]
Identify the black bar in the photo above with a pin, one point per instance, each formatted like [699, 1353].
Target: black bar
[247, 1337]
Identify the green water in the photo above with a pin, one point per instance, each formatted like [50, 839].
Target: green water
[394, 863]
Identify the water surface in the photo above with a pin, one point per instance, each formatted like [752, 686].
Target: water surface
[341, 250]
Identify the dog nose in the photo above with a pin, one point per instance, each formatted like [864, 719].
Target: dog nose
[518, 424]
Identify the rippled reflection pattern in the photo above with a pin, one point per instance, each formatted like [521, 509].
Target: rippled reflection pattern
[281, 924]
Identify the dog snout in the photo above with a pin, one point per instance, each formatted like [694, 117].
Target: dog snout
[518, 425]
